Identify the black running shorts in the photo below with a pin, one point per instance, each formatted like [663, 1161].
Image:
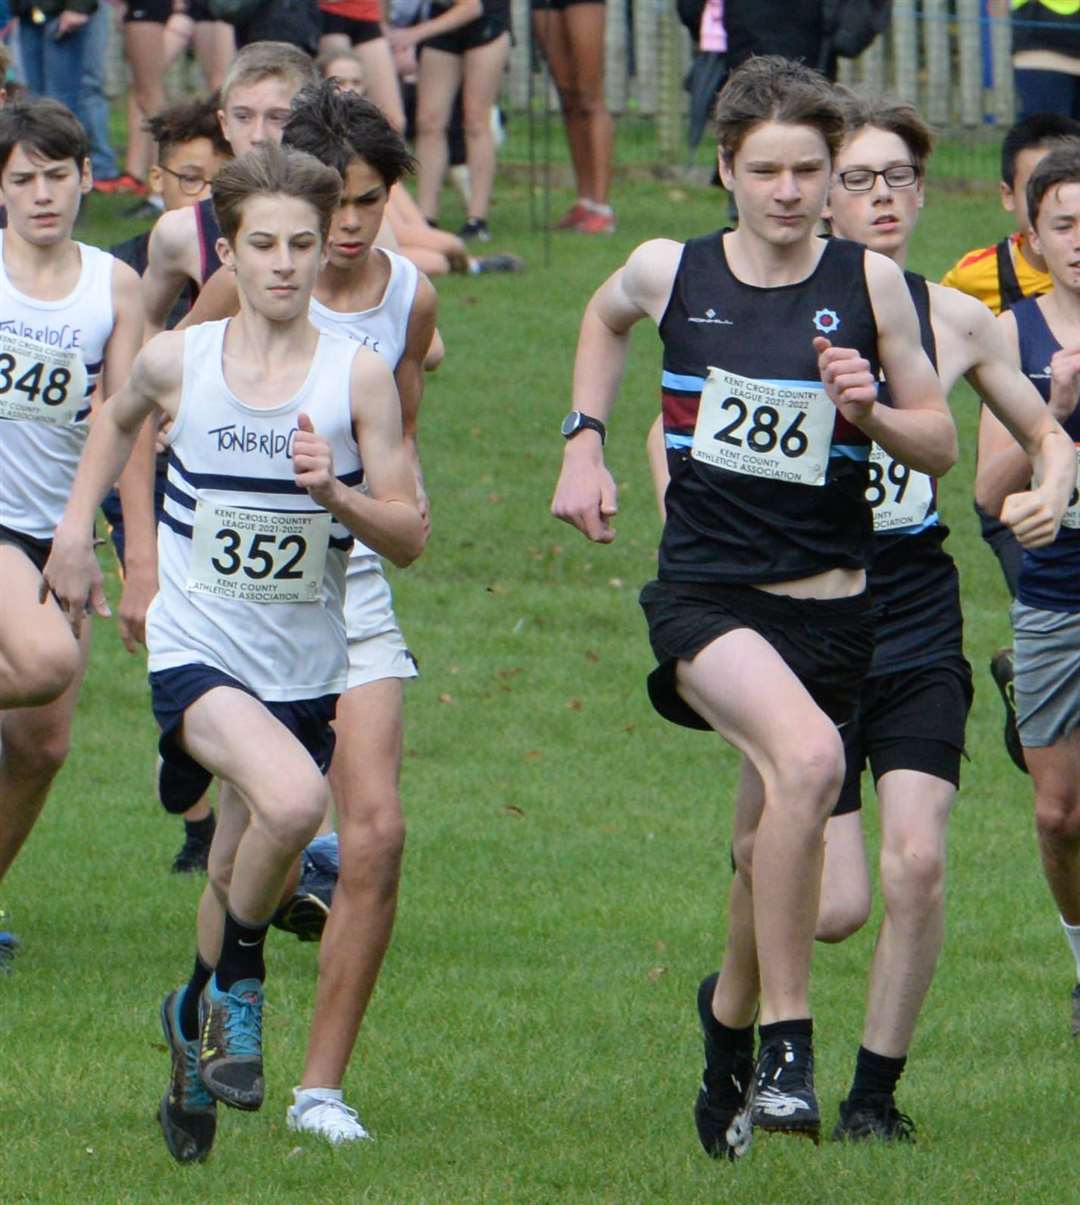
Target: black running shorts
[181, 780]
[480, 32]
[358, 32]
[826, 643]
[910, 720]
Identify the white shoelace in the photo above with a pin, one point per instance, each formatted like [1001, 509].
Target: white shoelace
[334, 1120]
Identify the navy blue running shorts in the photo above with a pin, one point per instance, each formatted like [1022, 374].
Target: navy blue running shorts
[484, 29]
[37, 550]
[182, 782]
[910, 720]
[826, 642]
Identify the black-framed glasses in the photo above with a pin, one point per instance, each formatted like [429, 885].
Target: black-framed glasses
[190, 185]
[862, 179]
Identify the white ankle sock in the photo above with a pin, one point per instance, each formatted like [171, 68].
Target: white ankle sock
[1072, 936]
[312, 1096]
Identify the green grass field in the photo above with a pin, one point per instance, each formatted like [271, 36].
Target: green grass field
[533, 1037]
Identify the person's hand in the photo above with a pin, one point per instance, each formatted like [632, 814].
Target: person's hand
[847, 378]
[313, 463]
[73, 576]
[402, 38]
[586, 497]
[1064, 382]
[140, 586]
[1031, 518]
[69, 21]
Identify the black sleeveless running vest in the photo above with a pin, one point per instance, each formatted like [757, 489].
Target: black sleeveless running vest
[1050, 576]
[206, 224]
[912, 578]
[733, 527]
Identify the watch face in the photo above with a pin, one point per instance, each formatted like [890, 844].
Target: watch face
[571, 423]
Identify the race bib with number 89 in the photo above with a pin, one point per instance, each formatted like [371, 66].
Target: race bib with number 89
[39, 383]
[899, 496]
[1071, 517]
[261, 556]
[764, 429]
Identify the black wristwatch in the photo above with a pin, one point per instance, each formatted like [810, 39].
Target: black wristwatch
[575, 421]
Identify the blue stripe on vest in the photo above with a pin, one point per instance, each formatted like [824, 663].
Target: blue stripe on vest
[851, 451]
[685, 384]
[251, 485]
[181, 529]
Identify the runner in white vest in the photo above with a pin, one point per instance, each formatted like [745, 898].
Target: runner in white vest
[272, 421]
[70, 316]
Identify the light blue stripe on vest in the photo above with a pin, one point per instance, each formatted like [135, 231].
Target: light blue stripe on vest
[851, 451]
[931, 520]
[684, 384]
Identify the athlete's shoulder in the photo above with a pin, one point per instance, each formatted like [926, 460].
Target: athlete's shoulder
[650, 270]
[957, 307]
[159, 364]
[173, 231]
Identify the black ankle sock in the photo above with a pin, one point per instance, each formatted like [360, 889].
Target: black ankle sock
[801, 1030]
[719, 1035]
[189, 1005]
[241, 952]
[875, 1074]
[202, 830]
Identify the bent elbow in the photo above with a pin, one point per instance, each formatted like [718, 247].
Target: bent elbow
[410, 549]
[987, 496]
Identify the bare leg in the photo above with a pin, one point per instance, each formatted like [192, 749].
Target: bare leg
[1055, 772]
[914, 818]
[845, 880]
[144, 45]
[34, 744]
[438, 79]
[39, 656]
[380, 80]
[372, 836]
[593, 125]
[484, 68]
[749, 695]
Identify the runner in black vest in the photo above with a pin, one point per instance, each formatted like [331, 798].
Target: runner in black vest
[915, 698]
[772, 659]
[1045, 337]
[914, 702]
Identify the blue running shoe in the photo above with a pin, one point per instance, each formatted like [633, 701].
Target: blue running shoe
[188, 1113]
[230, 1050]
[9, 944]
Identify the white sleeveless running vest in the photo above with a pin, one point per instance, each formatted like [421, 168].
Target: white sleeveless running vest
[251, 570]
[51, 355]
[384, 329]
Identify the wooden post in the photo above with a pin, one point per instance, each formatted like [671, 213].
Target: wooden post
[670, 122]
[1003, 100]
[616, 84]
[905, 36]
[936, 42]
[970, 47]
[516, 87]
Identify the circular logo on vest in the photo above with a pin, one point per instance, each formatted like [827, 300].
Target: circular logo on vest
[827, 321]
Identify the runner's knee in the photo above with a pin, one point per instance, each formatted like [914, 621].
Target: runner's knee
[913, 873]
[371, 849]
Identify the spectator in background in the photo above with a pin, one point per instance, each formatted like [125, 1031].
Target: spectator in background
[356, 25]
[52, 46]
[570, 34]
[792, 28]
[191, 24]
[1046, 55]
[93, 109]
[465, 44]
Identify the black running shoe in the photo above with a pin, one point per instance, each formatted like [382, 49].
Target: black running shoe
[783, 1098]
[192, 856]
[1001, 670]
[475, 228]
[188, 1113]
[230, 1047]
[1075, 1007]
[721, 1110]
[305, 913]
[873, 1117]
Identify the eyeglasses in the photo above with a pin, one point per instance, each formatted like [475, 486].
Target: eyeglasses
[862, 179]
[190, 185]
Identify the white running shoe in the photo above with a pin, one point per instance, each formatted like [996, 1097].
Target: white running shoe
[330, 1118]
